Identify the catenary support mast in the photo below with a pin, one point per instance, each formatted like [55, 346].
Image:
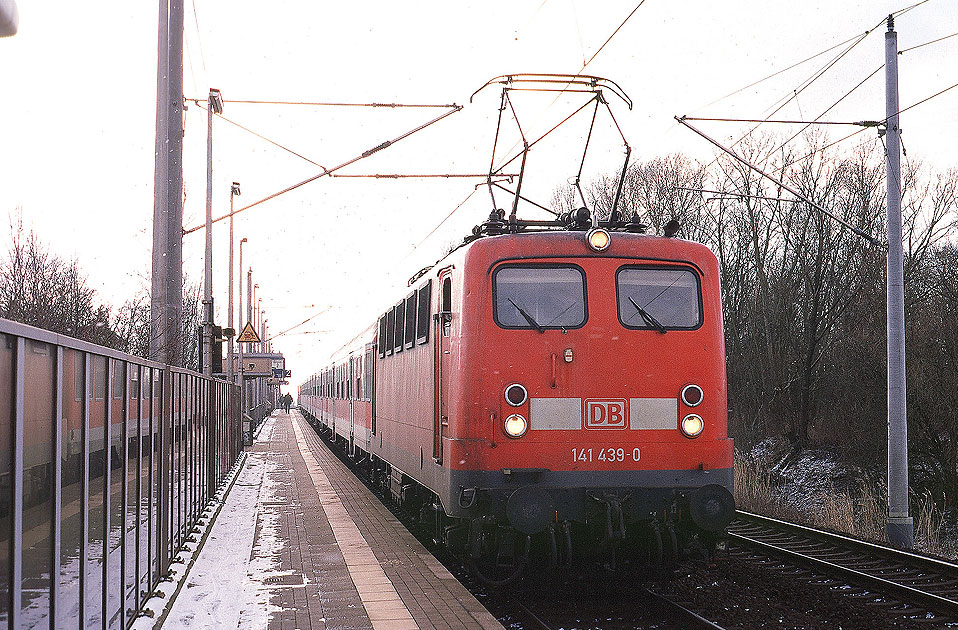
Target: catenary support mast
[899, 528]
[166, 300]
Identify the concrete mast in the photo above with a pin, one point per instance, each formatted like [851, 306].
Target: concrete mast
[166, 302]
[899, 527]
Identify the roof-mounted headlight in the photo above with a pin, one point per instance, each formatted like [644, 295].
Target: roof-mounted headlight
[598, 239]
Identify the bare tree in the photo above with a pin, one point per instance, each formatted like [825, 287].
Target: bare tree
[41, 289]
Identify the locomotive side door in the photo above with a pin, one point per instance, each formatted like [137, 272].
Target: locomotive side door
[443, 326]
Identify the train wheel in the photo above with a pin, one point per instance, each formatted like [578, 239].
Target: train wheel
[498, 555]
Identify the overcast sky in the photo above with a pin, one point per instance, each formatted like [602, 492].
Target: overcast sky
[77, 105]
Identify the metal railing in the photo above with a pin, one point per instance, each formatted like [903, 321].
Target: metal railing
[258, 414]
[90, 517]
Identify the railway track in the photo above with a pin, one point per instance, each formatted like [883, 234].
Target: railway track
[919, 583]
[648, 610]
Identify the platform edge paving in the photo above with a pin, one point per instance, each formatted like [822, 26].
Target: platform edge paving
[409, 567]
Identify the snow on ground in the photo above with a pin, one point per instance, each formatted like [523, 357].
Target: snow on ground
[803, 481]
[225, 583]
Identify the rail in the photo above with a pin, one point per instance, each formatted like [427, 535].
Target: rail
[106, 462]
[910, 578]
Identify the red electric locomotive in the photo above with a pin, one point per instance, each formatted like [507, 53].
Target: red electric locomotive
[544, 391]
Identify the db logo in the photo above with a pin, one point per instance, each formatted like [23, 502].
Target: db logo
[605, 413]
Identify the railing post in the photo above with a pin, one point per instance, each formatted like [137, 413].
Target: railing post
[85, 482]
[107, 494]
[163, 518]
[212, 436]
[18, 426]
[57, 487]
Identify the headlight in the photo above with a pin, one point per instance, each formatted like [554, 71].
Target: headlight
[516, 394]
[599, 239]
[692, 395]
[692, 425]
[515, 426]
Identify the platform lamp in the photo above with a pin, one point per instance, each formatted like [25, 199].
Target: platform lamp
[239, 347]
[234, 190]
[214, 106]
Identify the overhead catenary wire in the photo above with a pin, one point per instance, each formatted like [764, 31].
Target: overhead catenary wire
[584, 66]
[614, 33]
[305, 321]
[259, 135]
[830, 108]
[725, 194]
[776, 73]
[335, 104]
[843, 97]
[199, 39]
[327, 171]
[863, 123]
[820, 73]
[934, 41]
[858, 131]
[782, 184]
[794, 93]
[804, 85]
[439, 225]
[419, 175]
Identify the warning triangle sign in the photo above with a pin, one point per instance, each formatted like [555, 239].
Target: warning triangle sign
[248, 335]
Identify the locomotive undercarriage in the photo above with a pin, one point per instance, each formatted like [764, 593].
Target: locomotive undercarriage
[506, 532]
[641, 532]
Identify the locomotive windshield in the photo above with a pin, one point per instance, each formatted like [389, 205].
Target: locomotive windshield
[539, 297]
[658, 298]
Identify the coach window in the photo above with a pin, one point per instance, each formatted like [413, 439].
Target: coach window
[411, 320]
[382, 337]
[359, 378]
[99, 378]
[367, 374]
[78, 383]
[422, 330]
[351, 377]
[390, 329]
[400, 326]
[659, 298]
[118, 370]
[539, 296]
[135, 382]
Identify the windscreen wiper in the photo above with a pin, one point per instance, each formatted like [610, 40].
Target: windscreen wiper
[527, 317]
[651, 321]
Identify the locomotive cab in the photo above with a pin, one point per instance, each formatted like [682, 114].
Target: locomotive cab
[547, 397]
[584, 394]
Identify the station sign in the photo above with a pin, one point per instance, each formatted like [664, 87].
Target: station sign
[255, 366]
[281, 373]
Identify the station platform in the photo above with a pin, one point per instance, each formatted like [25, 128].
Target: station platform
[300, 543]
